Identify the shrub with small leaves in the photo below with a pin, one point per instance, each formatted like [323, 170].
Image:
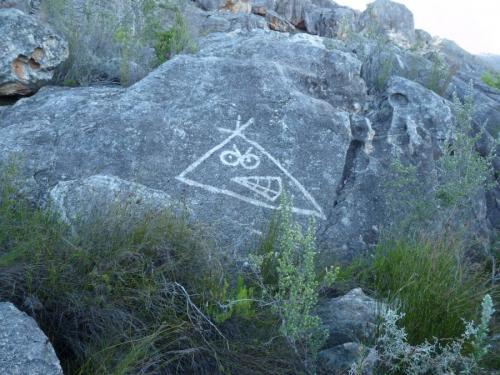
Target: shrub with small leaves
[432, 202]
[397, 356]
[440, 75]
[286, 269]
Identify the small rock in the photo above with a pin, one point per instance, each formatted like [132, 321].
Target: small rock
[341, 358]
[24, 348]
[350, 318]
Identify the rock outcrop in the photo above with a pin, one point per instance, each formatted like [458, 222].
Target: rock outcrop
[24, 348]
[30, 52]
[303, 97]
[389, 19]
[229, 129]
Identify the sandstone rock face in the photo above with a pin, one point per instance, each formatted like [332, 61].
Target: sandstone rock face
[292, 10]
[394, 20]
[29, 52]
[18, 4]
[234, 6]
[211, 4]
[332, 22]
[24, 348]
[82, 198]
[228, 147]
[227, 130]
[278, 23]
[226, 22]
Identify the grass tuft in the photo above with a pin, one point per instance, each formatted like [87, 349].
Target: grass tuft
[428, 280]
[121, 294]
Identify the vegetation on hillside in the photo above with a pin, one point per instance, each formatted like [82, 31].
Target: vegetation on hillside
[422, 265]
[111, 41]
[118, 294]
[492, 79]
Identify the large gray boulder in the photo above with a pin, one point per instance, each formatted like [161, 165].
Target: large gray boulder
[333, 21]
[24, 348]
[227, 130]
[29, 53]
[389, 19]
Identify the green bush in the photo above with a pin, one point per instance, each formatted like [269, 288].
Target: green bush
[429, 281]
[173, 41]
[121, 294]
[440, 75]
[445, 199]
[286, 271]
[492, 79]
[111, 40]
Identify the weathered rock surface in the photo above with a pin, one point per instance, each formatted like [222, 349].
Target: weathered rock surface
[350, 318]
[278, 23]
[173, 143]
[30, 52]
[83, 198]
[18, 4]
[230, 128]
[226, 22]
[332, 21]
[351, 321]
[24, 348]
[394, 20]
[341, 358]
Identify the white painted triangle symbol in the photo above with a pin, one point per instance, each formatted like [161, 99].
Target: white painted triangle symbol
[258, 189]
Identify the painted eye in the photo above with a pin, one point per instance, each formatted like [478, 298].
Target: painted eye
[250, 161]
[230, 158]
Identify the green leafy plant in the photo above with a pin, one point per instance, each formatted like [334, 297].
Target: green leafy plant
[491, 79]
[436, 202]
[110, 41]
[384, 72]
[173, 41]
[286, 268]
[226, 302]
[440, 75]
